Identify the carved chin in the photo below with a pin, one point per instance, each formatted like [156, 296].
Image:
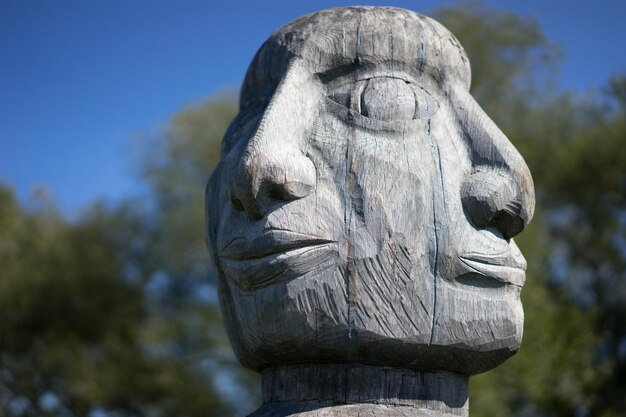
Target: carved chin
[308, 320]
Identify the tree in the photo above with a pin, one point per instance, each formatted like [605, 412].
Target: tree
[176, 165]
[73, 320]
[588, 198]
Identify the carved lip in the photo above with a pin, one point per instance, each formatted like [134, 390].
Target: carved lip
[275, 256]
[270, 243]
[504, 269]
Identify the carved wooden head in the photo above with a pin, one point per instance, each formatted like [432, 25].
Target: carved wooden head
[364, 207]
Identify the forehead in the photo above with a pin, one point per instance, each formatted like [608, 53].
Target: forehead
[336, 38]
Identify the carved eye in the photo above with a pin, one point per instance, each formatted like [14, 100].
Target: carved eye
[386, 99]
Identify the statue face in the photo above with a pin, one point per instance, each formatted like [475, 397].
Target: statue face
[364, 206]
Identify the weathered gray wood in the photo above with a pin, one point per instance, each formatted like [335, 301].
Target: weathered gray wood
[321, 390]
[361, 219]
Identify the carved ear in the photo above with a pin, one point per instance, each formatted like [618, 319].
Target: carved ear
[492, 199]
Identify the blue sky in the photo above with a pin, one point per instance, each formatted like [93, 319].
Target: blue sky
[80, 79]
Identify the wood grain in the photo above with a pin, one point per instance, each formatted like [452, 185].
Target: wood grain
[362, 217]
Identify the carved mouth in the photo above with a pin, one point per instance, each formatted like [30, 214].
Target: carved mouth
[502, 270]
[274, 256]
[271, 242]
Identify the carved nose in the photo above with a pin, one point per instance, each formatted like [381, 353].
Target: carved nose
[499, 191]
[270, 167]
[491, 199]
[269, 173]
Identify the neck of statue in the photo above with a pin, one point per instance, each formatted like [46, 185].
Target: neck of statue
[344, 390]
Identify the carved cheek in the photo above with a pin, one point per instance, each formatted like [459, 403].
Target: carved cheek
[392, 172]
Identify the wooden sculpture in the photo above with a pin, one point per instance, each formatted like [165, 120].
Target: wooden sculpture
[362, 219]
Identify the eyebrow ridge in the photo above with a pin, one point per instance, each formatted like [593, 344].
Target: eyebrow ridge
[328, 75]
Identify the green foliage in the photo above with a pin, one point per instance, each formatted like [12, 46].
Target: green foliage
[72, 322]
[512, 60]
[176, 164]
[588, 197]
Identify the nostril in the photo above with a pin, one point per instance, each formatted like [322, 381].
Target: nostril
[293, 190]
[508, 222]
[277, 192]
[271, 191]
[236, 203]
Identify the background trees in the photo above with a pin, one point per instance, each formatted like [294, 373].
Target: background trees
[79, 334]
[115, 314]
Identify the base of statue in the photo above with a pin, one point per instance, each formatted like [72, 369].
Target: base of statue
[351, 390]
